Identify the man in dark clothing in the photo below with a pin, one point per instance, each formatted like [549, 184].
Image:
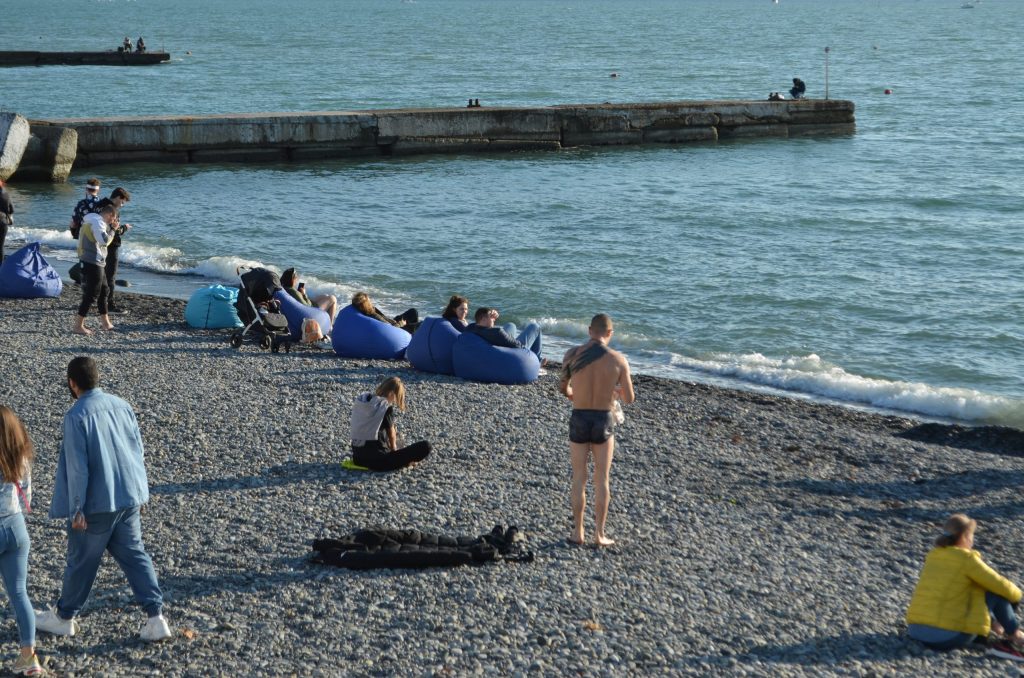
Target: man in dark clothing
[484, 328]
[6, 216]
[798, 89]
[118, 198]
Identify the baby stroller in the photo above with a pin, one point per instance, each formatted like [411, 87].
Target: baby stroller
[258, 309]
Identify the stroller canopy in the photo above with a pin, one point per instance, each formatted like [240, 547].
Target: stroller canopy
[260, 284]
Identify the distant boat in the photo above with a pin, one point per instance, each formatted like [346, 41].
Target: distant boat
[110, 58]
[967, 5]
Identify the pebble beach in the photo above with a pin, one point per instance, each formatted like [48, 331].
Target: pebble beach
[756, 535]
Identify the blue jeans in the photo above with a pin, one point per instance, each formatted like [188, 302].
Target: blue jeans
[529, 337]
[14, 546]
[120, 533]
[943, 639]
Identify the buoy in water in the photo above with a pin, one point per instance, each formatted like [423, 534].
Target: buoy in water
[888, 91]
[614, 75]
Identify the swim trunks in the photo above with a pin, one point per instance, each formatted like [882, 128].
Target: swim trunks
[590, 426]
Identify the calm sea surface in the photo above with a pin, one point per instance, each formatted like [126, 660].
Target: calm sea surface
[884, 268]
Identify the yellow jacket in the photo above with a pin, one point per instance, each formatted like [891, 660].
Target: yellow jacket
[950, 592]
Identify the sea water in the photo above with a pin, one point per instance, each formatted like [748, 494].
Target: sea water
[881, 268]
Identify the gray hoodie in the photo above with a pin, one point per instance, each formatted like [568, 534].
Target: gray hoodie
[368, 412]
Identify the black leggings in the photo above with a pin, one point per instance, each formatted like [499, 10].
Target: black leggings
[3, 236]
[94, 289]
[375, 457]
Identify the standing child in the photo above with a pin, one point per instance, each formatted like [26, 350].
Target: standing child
[16, 454]
[374, 434]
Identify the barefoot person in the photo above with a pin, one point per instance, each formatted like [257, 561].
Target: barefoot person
[593, 377]
[96, 233]
[100, 486]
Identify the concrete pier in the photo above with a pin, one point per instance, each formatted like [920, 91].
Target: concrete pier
[303, 136]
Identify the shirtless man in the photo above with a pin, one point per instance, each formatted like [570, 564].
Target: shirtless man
[593, 377]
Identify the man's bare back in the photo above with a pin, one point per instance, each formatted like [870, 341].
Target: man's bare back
[593, 377]
[594, 386]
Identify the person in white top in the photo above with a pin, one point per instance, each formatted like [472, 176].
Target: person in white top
[97, 232]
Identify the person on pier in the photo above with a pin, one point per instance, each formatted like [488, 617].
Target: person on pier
[798, 89]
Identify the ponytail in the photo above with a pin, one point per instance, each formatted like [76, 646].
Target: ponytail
[957, 525]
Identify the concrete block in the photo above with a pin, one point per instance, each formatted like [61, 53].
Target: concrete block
[14, 136]
[779, 129]
[49, 155]
[822, 130]
[680, 135]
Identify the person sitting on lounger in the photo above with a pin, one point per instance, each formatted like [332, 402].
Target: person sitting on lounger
[456, 311]
[325, 302]
[408, 321]
[503, 336]
[374, 434]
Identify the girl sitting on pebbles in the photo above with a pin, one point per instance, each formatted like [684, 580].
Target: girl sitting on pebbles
[957, 594]
[374, 435]
[15, 492]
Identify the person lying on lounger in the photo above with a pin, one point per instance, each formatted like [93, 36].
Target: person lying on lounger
[325, 302]
[408, 321]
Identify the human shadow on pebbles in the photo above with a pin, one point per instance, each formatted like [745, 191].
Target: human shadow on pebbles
[274, 476]
[830, 651]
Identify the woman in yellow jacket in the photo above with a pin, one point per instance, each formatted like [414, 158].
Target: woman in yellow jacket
[957, 594]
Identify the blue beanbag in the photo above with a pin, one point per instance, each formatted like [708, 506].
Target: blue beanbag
[27, 275]
[431, 347]
[477, 360]
[358, 336]
[213, 308]
[296, 312]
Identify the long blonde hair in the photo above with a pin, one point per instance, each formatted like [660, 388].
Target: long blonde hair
[955, 527]
[393, 386]
[16, 449]
[362, 303]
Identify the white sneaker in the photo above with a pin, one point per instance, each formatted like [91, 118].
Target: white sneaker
[51, 622]
[156, 628]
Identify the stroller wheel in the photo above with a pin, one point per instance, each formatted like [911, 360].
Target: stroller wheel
[236, 340]
[266, 342]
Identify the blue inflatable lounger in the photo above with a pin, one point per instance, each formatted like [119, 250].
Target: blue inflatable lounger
[213, 308]
[431, 347]
[296, 312]
[358, 336]
[26, 274]
[476, 360]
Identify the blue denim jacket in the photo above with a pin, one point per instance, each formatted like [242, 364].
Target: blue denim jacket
[101, 467]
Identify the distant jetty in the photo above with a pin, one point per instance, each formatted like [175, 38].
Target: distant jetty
[108, 58]
[283, 137]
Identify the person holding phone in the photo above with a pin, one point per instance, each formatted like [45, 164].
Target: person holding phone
[297, 290]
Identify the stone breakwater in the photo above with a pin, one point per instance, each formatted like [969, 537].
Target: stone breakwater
[756, 535]
[339, 134]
